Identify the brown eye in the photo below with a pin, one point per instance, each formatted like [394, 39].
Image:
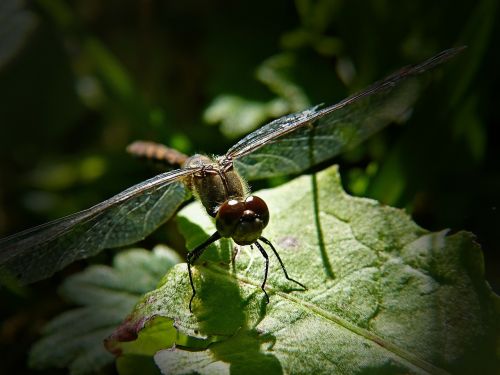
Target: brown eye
[259, 207]
[228, 216]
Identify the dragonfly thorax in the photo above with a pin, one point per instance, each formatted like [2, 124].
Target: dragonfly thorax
[214, 184]
[242, 220]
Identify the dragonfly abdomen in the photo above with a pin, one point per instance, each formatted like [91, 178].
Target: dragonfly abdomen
[157, 152]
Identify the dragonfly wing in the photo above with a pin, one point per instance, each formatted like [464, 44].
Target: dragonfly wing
[126, 218]
[294, 143]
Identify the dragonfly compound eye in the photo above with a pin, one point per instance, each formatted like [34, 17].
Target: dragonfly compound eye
[259, 207]
[228, 216]
[242, 221]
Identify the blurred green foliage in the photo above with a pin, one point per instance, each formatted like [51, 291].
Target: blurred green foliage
[80, 79]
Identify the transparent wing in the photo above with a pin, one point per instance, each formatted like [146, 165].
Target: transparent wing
[293, 143]
[126, 218]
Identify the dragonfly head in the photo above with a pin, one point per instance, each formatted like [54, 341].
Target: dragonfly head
[242, 220]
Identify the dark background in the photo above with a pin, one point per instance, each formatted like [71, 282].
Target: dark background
[81, 79]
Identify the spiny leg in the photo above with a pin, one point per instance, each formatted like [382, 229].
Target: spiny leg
[266, 257]
[267, 242]
[193, 256]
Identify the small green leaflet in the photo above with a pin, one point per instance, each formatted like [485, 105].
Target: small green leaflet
[106, 295]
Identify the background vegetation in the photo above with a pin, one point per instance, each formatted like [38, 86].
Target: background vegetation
[79, 80]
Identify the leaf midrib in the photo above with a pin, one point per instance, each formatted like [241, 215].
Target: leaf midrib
[314, 309]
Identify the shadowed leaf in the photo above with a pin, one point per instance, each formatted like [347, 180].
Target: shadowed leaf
[106, 295]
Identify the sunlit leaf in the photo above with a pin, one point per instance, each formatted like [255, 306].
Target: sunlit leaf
[384, 295]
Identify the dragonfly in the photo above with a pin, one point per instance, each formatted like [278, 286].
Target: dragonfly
[289, 145]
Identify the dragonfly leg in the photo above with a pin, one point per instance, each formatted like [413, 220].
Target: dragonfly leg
[266, 257]
[250, 255]
[236, 251]
[193, 256]
[267, 242]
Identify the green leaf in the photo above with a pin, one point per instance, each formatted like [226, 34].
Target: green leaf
[384, 295]
[238, 116]
[106, 295]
